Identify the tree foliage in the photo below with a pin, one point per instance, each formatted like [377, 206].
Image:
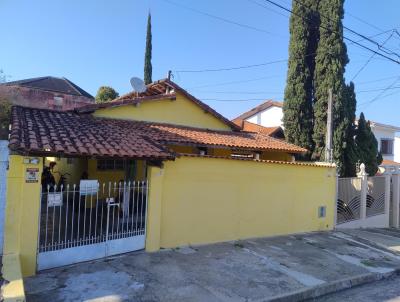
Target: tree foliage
[317, 60]
[5, 118]
[148, 68]
[367, 146]
[330, 62]
[350, 155]
[298, 105]
[105, 94]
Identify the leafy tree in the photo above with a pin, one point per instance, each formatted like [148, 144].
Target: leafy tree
[367, 146]
[5, 117]
[330, 62]
[106, 94]
[298, 105]
[148, 68]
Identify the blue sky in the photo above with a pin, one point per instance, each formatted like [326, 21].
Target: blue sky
[96, 43]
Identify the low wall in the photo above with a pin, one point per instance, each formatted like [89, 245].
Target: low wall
[197, 200]
[13, 290]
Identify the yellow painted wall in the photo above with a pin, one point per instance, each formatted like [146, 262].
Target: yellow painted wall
[267, 155]
[104, 176]
[22, 214]
[75, 169]
[273, 155]
[180, 111]
[206, 200]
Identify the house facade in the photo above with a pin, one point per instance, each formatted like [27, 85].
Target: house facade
[156, 170]
[45, 92]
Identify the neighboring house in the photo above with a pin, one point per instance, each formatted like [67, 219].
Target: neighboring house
[159, 169]
[270, 114]
[45, 92]
[267, 114]
[385, 135]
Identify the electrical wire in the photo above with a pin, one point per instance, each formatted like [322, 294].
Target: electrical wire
[380, 46]
[346, 38]
[222, 19]
[370, 59]
[366, 104]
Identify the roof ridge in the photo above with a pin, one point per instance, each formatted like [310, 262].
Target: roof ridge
[261, 107]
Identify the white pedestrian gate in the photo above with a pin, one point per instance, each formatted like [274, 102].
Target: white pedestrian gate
[91, 221]
[3, 187]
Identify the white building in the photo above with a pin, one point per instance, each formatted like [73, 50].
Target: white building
[385, 135]
[270, 114]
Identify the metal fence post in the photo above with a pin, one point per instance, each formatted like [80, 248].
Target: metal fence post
[396, 197]
[364, 191]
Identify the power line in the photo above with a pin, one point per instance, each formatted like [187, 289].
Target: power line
[222, 19]
[381, 93]
[380, 46]
[365, 22]
[370, 59]
[346, 38]
[234, 100]
[379, 89]
[377, 80]
[236, 82]
[232, 68]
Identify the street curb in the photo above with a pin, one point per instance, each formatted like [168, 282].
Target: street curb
[332, 287]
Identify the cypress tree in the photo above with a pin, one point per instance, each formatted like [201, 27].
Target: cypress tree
[350, 154]
[148, 69]
[330, 62]
[298, 99]
[367, 146]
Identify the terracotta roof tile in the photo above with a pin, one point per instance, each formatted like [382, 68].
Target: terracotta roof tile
[387, 162]
[52, 132]
[251, 127]
[46, 131]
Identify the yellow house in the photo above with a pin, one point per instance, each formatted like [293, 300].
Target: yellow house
[154, 170]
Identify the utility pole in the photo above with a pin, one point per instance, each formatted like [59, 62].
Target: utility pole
[328, 142]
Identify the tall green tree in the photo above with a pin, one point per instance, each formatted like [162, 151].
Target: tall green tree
[148, 68]
[350, 154]
[298, 104]
[330, 62]
[367, 146]
[106, 94]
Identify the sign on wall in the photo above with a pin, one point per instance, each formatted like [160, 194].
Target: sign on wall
[32, 175]
[54, 199]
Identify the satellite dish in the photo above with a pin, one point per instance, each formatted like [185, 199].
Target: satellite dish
[138, 85]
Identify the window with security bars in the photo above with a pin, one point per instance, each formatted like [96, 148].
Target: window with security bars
[387, 146]
[110, 164]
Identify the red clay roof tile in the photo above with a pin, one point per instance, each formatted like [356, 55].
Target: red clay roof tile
[53, 132]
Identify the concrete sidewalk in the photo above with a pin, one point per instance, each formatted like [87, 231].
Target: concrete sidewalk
[287, 268]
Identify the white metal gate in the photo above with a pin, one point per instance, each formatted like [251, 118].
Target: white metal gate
[91, 221]
[3, 187]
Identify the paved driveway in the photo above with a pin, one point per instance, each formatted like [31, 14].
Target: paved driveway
[249, 270]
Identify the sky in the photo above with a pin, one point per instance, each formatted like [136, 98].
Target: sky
[95, 43]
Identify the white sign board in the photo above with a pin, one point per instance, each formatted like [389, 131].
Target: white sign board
[54, 199]
[88, 187]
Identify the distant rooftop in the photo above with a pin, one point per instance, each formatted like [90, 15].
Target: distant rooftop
[51, 84]
[267, 104]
